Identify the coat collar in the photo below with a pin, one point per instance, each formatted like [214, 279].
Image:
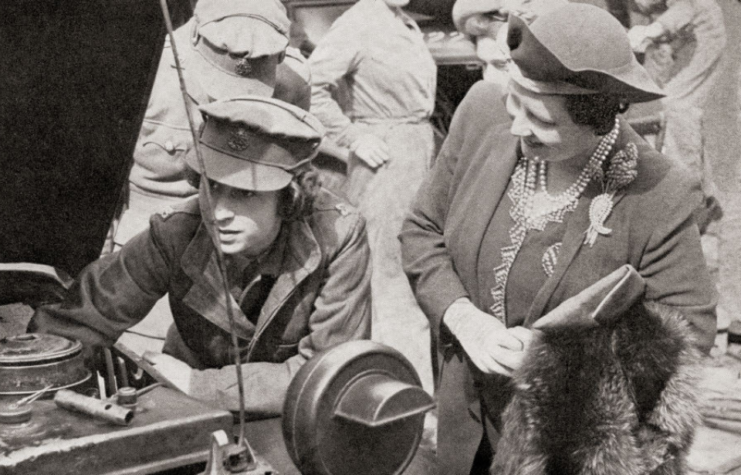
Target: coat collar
[206, 295]
[573, 239]
[490, 180]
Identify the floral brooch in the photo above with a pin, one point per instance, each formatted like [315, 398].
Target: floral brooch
[620, 173]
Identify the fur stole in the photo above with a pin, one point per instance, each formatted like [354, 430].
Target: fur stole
[604, 400]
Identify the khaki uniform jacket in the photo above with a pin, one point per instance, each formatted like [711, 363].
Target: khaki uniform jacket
[652, 229]
[321, 298]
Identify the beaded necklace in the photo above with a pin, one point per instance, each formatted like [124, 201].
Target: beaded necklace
[573, 193]
[529, 217]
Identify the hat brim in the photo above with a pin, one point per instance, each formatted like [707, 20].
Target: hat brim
[245, 35]
[239, 173]
[541, 63]
[219, 84]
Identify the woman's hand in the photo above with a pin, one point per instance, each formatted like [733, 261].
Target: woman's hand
[488, 343]
[371, 150]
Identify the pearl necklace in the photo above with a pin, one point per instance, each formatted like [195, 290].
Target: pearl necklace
[573, 192]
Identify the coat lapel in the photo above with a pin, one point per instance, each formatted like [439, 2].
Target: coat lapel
[572, 242]
[573, 238]
[475, 206]
[206, 295]
[302, 257]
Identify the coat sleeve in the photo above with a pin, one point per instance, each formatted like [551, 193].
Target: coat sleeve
[342, 312]
[674, 267]
[110, 295]
[293, 80]
[425, 256]
[335, 58]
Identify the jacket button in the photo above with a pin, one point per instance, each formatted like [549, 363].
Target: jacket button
[169, 146]
[342, 209]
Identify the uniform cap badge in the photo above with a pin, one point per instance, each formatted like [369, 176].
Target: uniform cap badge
[239, 140]
[243, 67]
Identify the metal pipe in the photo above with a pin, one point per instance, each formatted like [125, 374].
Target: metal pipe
[122, 372]
[111, 386]
[104, 410]
[209, 220]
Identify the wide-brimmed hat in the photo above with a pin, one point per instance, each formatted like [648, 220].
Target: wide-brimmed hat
[255, 143]
[226, 35]
[577, 49]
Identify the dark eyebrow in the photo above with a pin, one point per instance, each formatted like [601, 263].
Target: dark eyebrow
[496, 15]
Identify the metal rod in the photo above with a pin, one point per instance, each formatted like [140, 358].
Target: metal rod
[209, 220]
[145, 390]
[104, 410]
[122, 372]
[33, 396]
[111, 386]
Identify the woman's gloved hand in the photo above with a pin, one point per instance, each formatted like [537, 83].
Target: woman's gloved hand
[371, 150]
[491, 346]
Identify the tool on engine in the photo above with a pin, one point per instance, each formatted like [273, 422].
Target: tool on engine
[129, 397]
[97, 408]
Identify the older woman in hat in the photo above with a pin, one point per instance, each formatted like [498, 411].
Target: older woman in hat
[515, 218]
[296, 257]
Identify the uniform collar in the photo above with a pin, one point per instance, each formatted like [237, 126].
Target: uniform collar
[296, 255]
[268, 263]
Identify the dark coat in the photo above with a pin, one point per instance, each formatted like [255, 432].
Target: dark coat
[652, 229]
[321, 298]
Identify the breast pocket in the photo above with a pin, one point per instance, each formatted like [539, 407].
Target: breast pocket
[161, 148]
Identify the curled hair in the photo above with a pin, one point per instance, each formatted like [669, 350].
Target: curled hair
[296, 201]
[192, 177]
[595, 110]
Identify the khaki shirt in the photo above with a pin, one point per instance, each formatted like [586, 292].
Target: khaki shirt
[380, 62]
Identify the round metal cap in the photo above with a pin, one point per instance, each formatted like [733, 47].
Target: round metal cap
[12, 414]
[127, 396]
[34, 361]
[36, 348]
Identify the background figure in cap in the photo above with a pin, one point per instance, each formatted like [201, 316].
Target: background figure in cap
[228, 48]
[296, 257]
[683, 45]
[516, 218]
[485, 23]
[373, 88]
